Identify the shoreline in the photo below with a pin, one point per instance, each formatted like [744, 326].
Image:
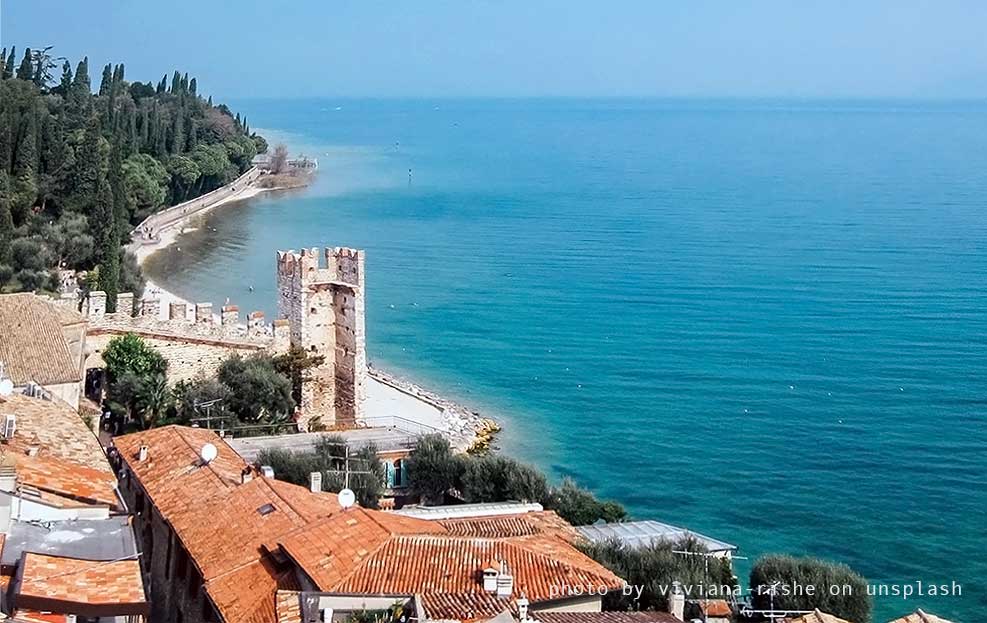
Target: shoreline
[465, 428]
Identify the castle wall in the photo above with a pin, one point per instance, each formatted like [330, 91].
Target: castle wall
[188, 356]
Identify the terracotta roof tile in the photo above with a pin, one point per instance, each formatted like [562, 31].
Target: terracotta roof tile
[920, 616]
[504, 526]
[247, 595]
[605, 617]
[715, 607]
[34, 346]
[288, 607]
[233, 528]
[817, 616]
[173, 474]
[80, 581]
[54, 428]
[67, 480]
[35, 616]
[359, 551]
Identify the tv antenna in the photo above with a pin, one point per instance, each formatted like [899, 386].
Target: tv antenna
[705, 556]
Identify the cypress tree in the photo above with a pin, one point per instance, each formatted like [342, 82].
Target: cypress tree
[107, 244]
[26, 70]
[8, 68]
[106, 81]
[176, 83]
[66, 84]
[26, 149]
[3, 64]
[6, 219]
[81, 81]
[177, 136]
[163, 84]
[192, 86]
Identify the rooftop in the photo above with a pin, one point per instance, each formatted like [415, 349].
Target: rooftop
[920, 616]
[486, 509]
[641, 533]
[239, 536]
[34, 347]
[56, 458]
[84, 587]
[604, 617]
[816, 616]
[105, 539]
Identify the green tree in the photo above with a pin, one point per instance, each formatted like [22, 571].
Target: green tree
[258, 392]
[496, 478]
[433, 469]
[654, 567]
[580, 507]
[26, 70]
[130, 354]
[850, 601]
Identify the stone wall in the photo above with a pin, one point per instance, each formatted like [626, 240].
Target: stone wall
[173, 583]
[321, 309]
[190, 337]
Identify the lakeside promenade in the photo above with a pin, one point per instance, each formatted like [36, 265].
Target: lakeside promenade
[160, 229]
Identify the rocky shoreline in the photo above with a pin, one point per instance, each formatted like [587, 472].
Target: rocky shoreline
[466, 429]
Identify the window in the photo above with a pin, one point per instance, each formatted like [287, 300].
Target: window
[139, 503]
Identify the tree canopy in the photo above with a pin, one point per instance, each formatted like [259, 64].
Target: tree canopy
[89, 166]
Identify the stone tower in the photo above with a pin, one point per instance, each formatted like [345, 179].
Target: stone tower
[324, 307]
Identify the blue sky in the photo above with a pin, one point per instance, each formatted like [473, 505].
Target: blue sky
[791, 48]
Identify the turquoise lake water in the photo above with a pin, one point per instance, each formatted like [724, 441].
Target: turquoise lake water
[763, 320]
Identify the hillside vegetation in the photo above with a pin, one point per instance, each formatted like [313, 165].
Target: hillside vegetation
[78, 168]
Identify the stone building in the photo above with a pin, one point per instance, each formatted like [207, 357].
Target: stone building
[222, 542]
[321, 309]
[42, 343]
[325, 309]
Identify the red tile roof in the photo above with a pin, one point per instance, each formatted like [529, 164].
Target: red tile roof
[605, 617]
[33, 348]
[71, 484]
[54, 429]
[54, 452]
[238, 534]
[504, 526]
[357, 551]
[715, 607]
[76, 584]
[920, 616]
[173, 474]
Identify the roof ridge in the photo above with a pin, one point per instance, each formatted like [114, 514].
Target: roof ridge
[370, 554]
[181, 433]
[286, 501]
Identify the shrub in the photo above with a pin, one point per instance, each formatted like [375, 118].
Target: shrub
[257, 391]
[433, 469]
[493, 478]
[654, 567]
[851, 601]
[580, 507]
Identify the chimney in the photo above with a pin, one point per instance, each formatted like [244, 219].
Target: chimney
[9, 426]
[505, 581]
[246, 475]
[522, 609]
[142, 453]
[267, 471]
[490, 578]
[70, 618]
[315, 482]
[676, 602]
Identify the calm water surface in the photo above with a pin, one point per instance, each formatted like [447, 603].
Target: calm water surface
[763, 320]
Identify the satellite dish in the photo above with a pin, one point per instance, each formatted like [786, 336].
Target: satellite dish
[208, 452]
[346, 498]
[6, 387]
